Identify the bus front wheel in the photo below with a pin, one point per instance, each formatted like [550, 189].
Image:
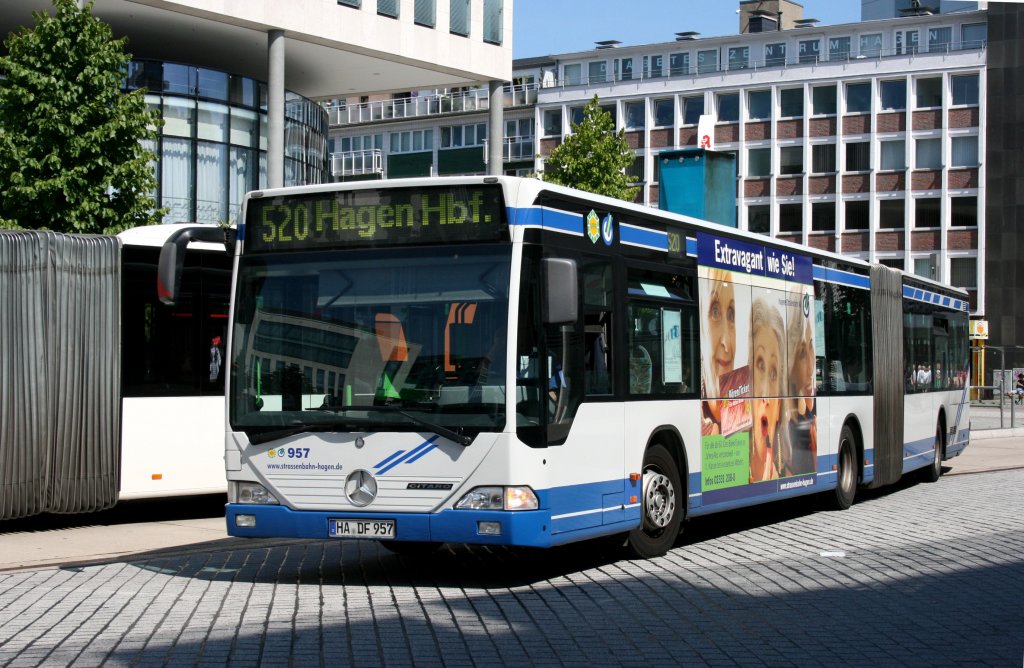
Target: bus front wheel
[662, 507]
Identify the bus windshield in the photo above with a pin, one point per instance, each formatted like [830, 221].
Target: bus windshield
[352, 340]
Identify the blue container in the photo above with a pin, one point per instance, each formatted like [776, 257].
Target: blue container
[699, 183]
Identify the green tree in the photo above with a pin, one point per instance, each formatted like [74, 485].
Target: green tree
[71, 157]
[594, 157]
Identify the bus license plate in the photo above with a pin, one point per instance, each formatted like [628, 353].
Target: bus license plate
[376, 529]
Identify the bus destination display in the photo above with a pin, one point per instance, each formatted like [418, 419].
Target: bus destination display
[377, 217]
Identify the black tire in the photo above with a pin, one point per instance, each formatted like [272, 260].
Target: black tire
[662, 508]
[842, 496]
[410, 548]
[933, 471]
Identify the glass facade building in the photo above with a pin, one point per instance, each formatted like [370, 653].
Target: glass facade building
[212, 147]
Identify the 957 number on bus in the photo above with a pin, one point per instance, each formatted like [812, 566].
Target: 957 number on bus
[373, 529]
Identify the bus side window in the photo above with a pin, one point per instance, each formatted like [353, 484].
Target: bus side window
[597, 366]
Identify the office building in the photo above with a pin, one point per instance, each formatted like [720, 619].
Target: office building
[238, 84]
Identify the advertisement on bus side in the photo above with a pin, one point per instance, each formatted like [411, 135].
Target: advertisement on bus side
[758, 343]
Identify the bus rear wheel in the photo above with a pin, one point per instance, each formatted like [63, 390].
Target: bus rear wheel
[662, 507]
[932, 472]
[846, 471]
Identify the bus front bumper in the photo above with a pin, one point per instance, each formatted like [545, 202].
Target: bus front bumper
[526, 528]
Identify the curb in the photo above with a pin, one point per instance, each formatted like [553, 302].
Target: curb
[984, 434]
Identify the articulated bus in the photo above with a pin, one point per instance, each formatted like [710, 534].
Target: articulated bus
[492, 360]
[172, 406]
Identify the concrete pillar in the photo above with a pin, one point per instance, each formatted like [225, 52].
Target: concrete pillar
[496, 129]
[275, 109]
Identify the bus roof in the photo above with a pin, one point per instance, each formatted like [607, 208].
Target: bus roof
[529, 189]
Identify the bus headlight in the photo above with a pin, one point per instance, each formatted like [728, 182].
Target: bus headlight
[499, 498]
[251, 492]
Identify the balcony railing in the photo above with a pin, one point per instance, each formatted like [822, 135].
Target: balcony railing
[428, 105]
[357, 163]
[518, 148]
[769, 63]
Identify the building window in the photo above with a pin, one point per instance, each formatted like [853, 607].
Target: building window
[627, 69]
[707, 61]
[759, 219]
[974, 35]
[810, 50]
[893, 155]
[927, 212]
[929, 92]
[459, 136]
[759, 105]
[823, 100]
[823, 158]
[412, 141]
[775, 54]
[493, 21]
[572, 74]
[739, 57]
[791, 218]
[939, 39]
[964, 211]
[552, 122]
[598, 71]
[963, 272]
[635, 172]
[907, 41]
[664, 112]
[759, 162]
[965, 88]
[388, 8]
[857, 215]
[693, 109]
[894, 95]
[791, 103]
[653, 67]
[858, 156]
[679, 63]
[459, 23]
[728, 107]
[791, 160]
[925, 267]
[871, 45]
[424, 13]
[858, 98]
[838, 48]
[929, 154]
[890, 214]
[635, 115]
[965, 151]
[823, 217]
[892, 262]
[349, 3]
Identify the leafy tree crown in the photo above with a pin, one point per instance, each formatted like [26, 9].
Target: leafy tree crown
[594, 157]
[71, 151]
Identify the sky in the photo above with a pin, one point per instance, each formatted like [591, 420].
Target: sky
[545, 27]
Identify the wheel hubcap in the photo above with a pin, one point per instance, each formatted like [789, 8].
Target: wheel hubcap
[659, 499]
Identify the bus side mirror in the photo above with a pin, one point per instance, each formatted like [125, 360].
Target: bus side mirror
[561, 291]
[172, 257]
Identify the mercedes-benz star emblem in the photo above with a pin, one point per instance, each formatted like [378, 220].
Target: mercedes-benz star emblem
[360, 488]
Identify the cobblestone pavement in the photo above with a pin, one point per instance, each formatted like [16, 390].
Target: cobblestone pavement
[918, 574]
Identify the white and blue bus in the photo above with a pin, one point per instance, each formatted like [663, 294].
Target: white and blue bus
[501, 361]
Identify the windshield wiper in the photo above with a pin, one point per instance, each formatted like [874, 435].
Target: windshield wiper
[450, 434]
[299, 428]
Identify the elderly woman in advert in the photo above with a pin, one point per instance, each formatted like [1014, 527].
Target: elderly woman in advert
[718, 323]
[802, 426]
[767, 362]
